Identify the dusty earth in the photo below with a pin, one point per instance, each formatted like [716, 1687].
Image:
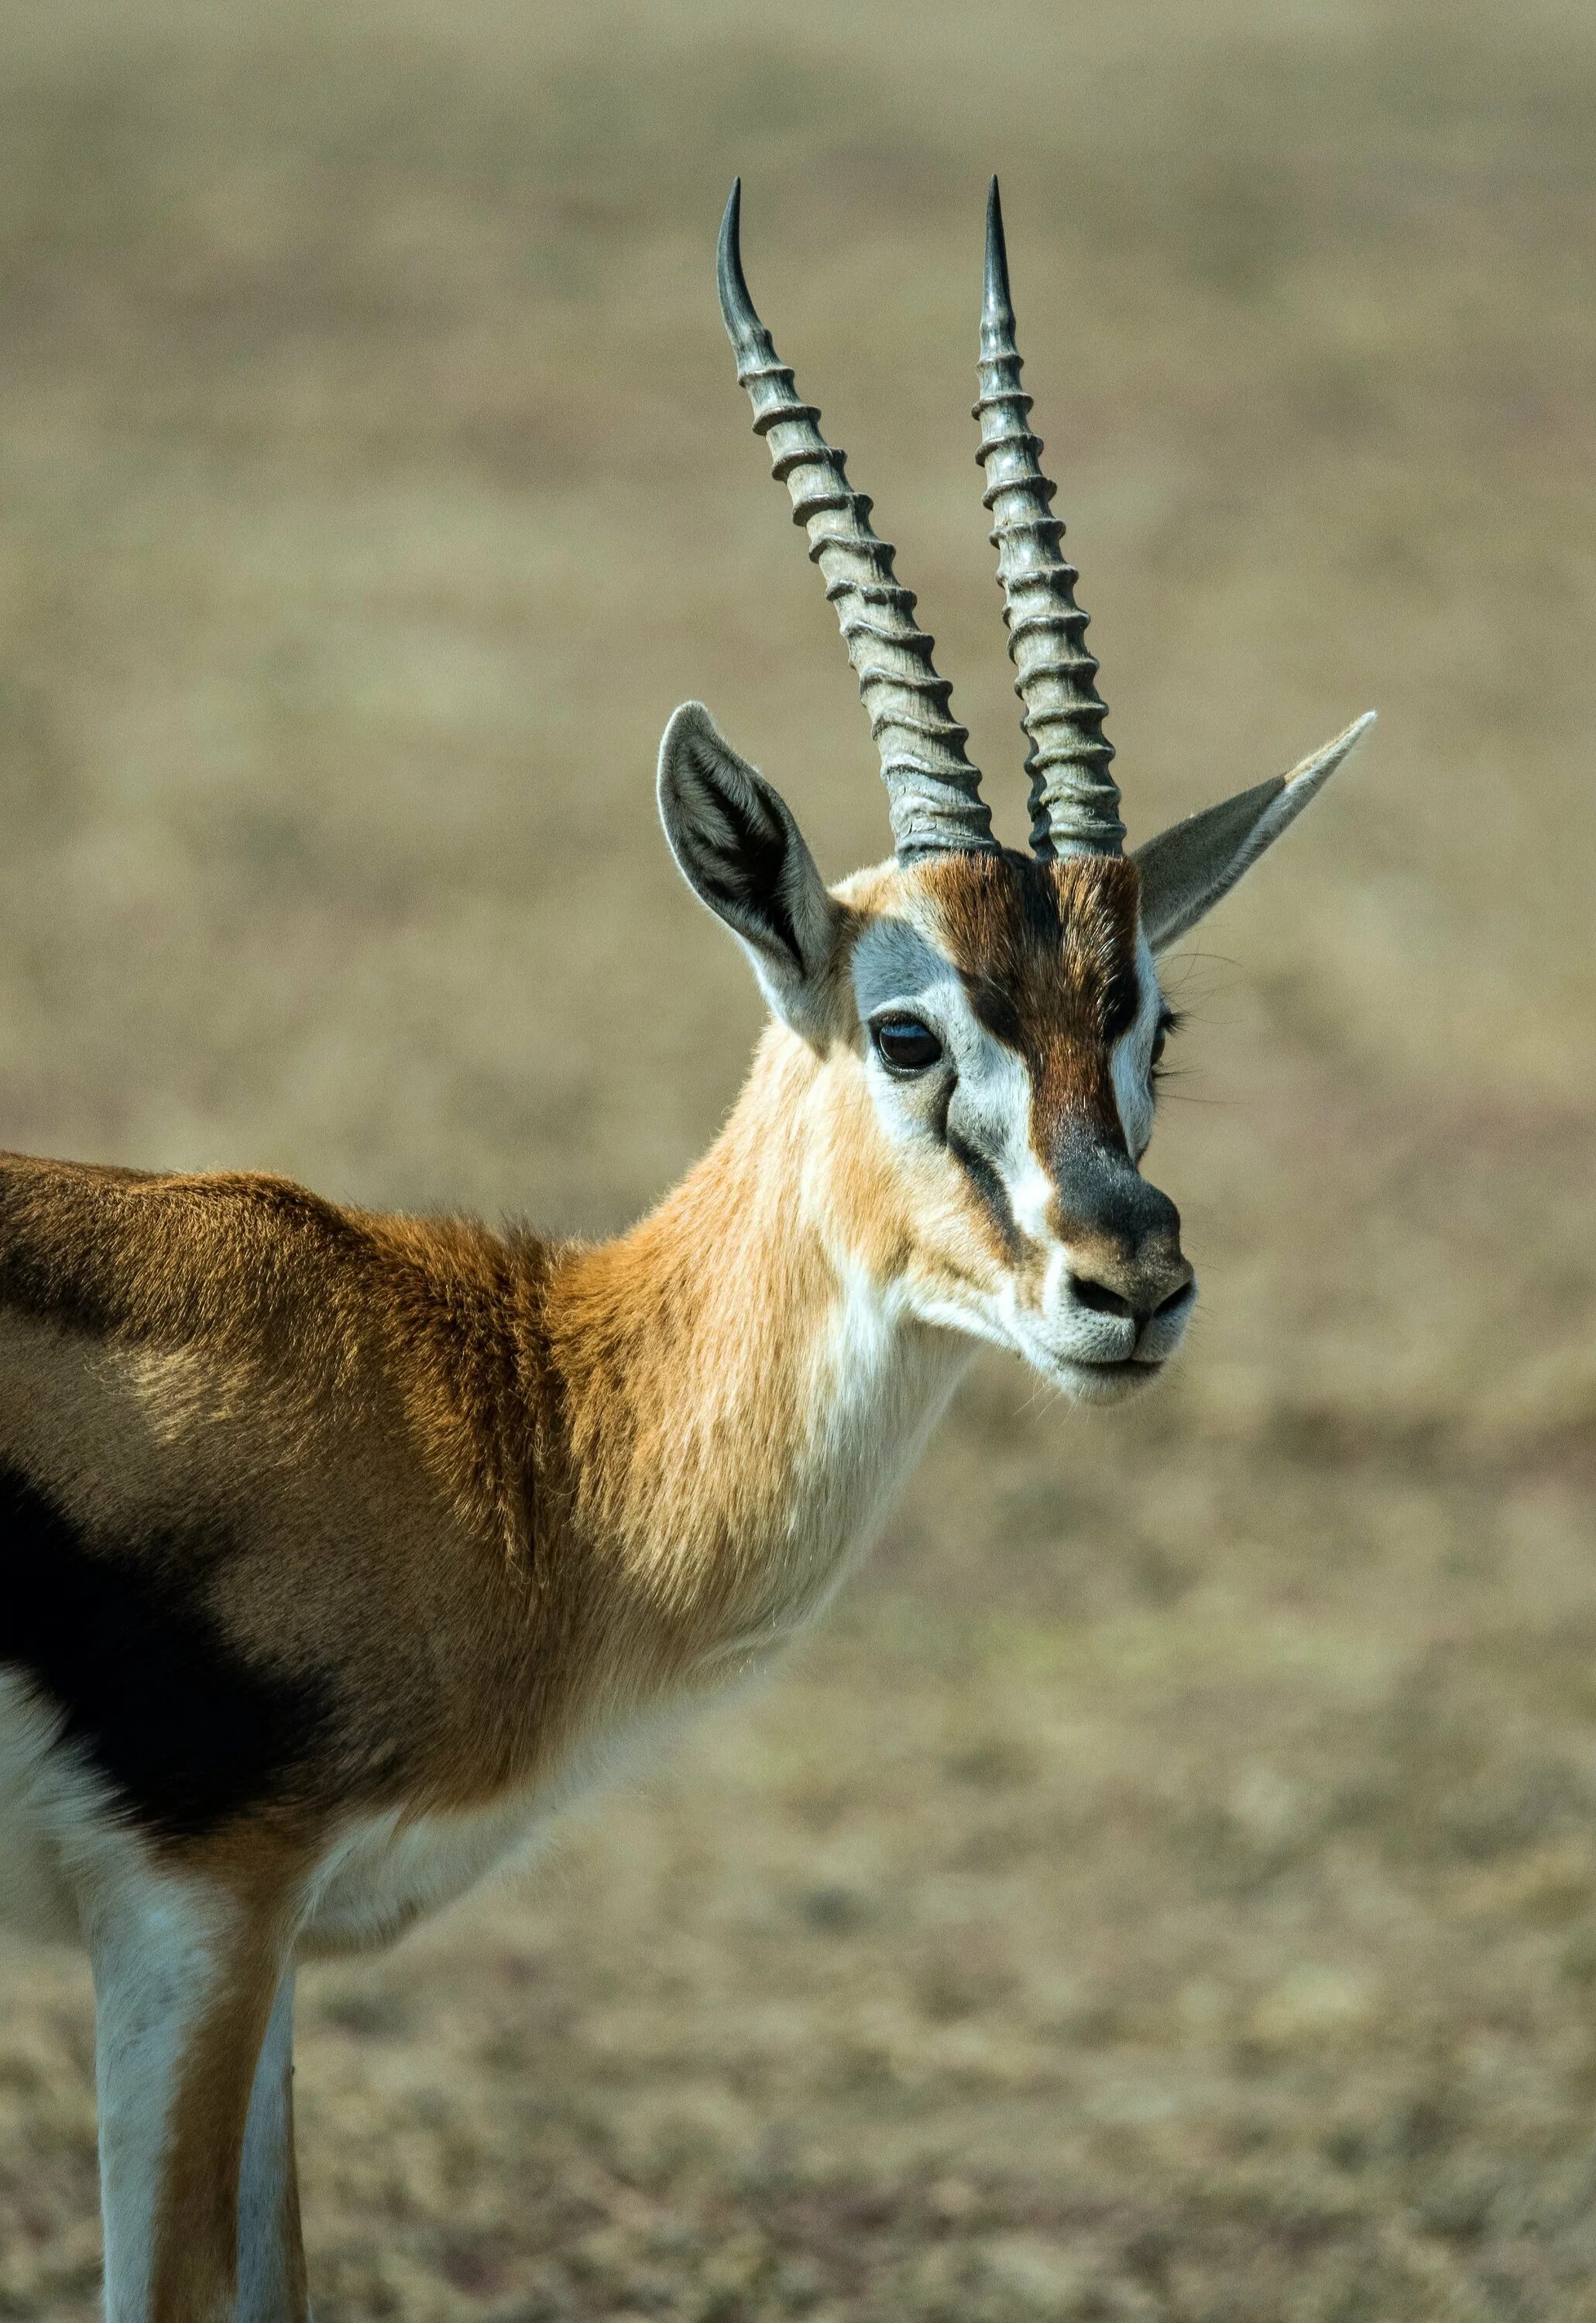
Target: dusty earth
[1168, 1889]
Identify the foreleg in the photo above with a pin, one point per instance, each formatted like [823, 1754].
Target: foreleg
[185, 1982]
[271, 2253]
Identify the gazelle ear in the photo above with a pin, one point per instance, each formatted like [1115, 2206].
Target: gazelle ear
[742, 853]
[1186, 869]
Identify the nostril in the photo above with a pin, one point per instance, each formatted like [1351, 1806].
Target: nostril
[1176, 1298]
[1098, 1297]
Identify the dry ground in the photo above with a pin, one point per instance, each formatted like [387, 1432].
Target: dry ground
[1169, 1889]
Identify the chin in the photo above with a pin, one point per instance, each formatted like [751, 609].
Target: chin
[1099, 1382]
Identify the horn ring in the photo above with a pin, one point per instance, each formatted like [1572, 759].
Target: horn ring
[1074, 802]
[934, 789]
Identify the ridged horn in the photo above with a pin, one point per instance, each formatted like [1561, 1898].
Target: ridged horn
[1073, 804]
[933, 791]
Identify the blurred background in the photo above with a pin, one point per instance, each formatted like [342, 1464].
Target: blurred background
[1168, 1888]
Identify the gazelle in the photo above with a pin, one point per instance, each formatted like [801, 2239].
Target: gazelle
[339, 1548]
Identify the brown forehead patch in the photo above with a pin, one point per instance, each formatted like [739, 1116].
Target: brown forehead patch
[1046, 953]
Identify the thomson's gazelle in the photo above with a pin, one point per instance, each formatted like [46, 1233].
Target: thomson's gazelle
[337, 1547]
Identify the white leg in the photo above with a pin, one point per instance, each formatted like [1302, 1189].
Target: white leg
[154, 1952]
[184, 1985]
[271, 2260]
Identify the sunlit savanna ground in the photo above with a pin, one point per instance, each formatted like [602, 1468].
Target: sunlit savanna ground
[1168, 1889]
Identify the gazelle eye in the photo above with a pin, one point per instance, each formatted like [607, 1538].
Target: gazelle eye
[1167, 1023]
[905, 1043]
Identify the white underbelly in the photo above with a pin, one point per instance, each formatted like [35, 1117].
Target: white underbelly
[384, 1872]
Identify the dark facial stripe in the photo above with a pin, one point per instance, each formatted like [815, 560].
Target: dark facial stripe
[187, 1731]
[989, 1186]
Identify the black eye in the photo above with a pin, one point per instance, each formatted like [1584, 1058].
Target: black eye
[905, 1044]
[1167, 1023]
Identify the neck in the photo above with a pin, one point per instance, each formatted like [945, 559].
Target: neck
[744, 1389]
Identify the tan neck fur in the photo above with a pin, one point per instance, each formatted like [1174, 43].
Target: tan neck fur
[743, 1388]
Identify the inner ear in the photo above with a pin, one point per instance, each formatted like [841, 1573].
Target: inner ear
[741, 852]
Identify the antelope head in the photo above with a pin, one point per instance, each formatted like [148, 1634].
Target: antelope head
[987, 1024]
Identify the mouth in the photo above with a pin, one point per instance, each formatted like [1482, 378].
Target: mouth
[1104, 1383]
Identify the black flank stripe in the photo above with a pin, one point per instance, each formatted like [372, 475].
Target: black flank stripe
[187, 1732]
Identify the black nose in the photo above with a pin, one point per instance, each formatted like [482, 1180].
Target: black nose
[1103, 1300]
[1122, 1235]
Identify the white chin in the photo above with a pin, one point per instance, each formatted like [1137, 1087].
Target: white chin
[1097, 1382]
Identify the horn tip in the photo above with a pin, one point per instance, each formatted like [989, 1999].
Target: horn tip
[731, 216]
[997, 304]
[736, 307]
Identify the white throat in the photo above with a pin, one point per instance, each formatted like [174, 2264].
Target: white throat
[881, 1379]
